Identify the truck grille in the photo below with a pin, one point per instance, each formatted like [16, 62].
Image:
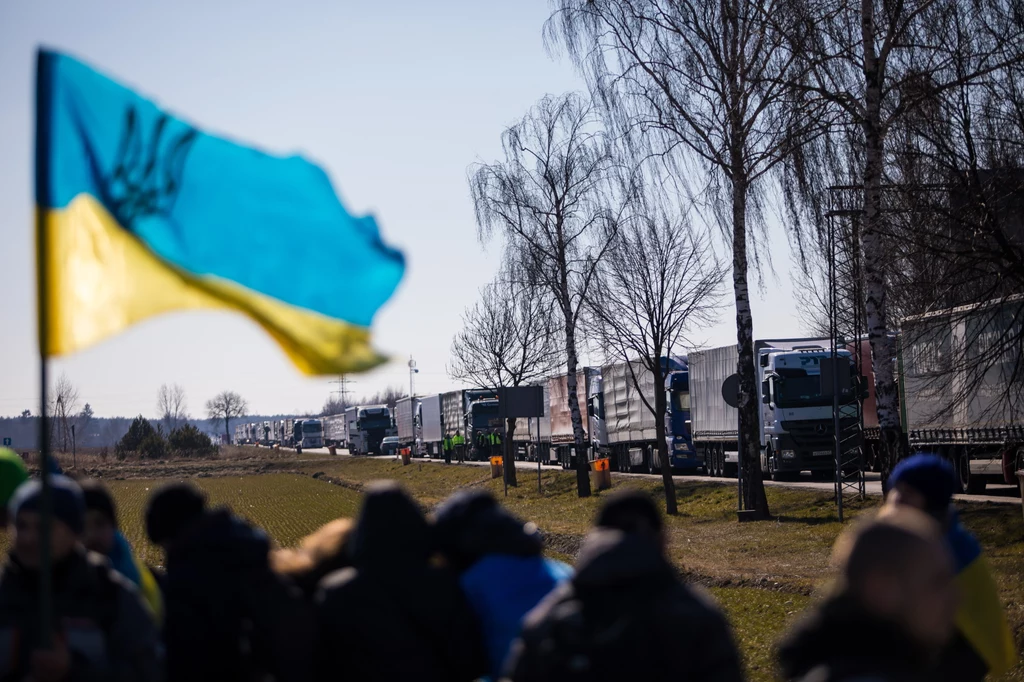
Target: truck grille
[816, 433]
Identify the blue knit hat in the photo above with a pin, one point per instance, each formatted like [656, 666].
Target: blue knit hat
[930, 475]
[68, 502]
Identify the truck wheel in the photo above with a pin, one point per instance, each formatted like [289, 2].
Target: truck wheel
[972, 485]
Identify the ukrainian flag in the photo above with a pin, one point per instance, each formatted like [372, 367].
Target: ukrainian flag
[980, 617]
[141, 213]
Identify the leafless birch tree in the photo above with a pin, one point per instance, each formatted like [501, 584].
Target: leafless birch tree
[508, 338]
[658, 280]
[549, 198]
[695, 84]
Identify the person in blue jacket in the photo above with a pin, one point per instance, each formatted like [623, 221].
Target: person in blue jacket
[500, 563]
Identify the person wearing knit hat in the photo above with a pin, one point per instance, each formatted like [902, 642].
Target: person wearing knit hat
[13, 473]
[102, 535]
[102, 630]
[983, 643]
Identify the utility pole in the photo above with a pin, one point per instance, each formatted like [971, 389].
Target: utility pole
[342, 391]
[412, 373]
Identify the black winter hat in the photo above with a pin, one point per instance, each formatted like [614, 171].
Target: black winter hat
[66, 500]
[629, 511]
[171, 509]
[472, 524]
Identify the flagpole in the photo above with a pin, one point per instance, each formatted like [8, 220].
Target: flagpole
[43, 308]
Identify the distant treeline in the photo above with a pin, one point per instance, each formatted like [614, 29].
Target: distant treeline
[98, 432]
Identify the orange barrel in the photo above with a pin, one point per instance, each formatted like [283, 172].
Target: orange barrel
[601, 473]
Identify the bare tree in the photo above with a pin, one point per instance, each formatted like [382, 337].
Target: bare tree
[63, 408]
[550, 198]
[227, 405]
[388, 396]
[658, 280]
[171, 406]
[694, 84]
[878, 66]
[508, 338]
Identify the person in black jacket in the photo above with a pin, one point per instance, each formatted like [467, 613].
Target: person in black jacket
[228, 615]
[891, 612]
[625, 615]
[391, 615]
[101, 629]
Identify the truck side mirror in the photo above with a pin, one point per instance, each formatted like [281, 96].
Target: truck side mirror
[766, 399]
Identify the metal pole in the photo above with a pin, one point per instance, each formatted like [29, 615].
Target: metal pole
[43, 77]
[540, 489]
[74, 448]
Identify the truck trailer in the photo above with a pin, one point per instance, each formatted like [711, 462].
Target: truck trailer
[407, 423]
[630, 422]
[961, 390]
[591, 402]
[432, 429]
[795, 415]
[335, 431]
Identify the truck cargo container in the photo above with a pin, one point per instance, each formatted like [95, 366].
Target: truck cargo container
[960, 398]
[336, 431]
[432, 428]
[630, 422]
[795, 416]
[591, 403]
[407, 423]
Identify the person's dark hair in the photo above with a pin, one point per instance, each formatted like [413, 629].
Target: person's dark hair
[172, 509]
[98, 498]
[630, 511]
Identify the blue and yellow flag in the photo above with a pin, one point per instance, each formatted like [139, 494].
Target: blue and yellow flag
[141, 213]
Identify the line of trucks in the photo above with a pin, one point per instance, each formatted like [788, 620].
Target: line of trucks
[292, 433]
[982, 436]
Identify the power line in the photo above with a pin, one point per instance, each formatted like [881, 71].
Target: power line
[342, 391]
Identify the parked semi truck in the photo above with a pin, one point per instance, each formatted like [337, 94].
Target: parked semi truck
[367, 426]
[631, 425]
[795, 415]
[471, 413]
[312, 433]
[591, 403]
[335, 431]
[960, 398]
[407, 423]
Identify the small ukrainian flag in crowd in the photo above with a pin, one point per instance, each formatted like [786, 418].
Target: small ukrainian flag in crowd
[141, 213]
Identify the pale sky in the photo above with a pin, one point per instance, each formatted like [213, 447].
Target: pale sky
[394, 99]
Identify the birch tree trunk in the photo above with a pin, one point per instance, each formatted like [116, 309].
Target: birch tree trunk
[749, 427]
[882, 346]
[660, 411]
[579, 437]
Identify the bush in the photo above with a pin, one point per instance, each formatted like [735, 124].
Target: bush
[153, 446]
[139, 432]
[188, 441]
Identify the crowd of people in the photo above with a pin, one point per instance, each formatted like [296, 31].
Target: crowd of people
[467, 593]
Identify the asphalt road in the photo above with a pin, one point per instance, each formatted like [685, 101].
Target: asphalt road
[998, 494]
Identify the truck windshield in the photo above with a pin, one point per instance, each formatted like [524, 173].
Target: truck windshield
[314, 427]
[484, 414]
[381, 420]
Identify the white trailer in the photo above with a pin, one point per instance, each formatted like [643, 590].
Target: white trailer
[432, 431]
[407, 422]
[335, 431]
